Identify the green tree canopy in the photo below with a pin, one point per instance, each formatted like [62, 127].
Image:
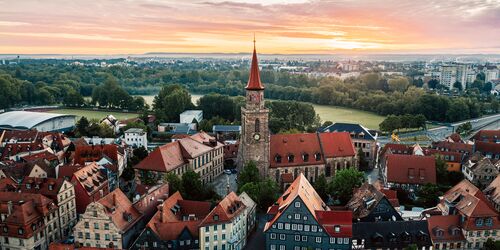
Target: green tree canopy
[172, 100]
[344, 182]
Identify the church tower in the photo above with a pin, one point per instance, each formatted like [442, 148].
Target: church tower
[254, 142]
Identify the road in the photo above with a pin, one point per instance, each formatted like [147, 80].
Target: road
[223, 181]
[439, 133]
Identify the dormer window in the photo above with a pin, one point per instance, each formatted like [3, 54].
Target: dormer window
[336, 229]
[20, 231]
[489, 222]
[5, 229]
[277, 158]
[28, 186]
[317, 156]
[411, 173]
[216, 217]
[479, 222]
[305, 157]
[291, 158]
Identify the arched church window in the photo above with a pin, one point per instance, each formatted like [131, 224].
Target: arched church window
[257, 125]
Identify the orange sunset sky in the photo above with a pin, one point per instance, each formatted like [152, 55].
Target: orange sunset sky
[289, 27]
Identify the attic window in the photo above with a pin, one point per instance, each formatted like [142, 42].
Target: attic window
[489, 222]
[5, 229]
[337, 229]
[317, 156]
[422, 173]
[277, 158]
[479, 222]
[20, 231]
[305, 157]
[28, 186]
[216, 217]
[411, 173]
[291, 157]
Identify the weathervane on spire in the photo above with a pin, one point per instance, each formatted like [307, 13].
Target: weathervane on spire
[254, 40]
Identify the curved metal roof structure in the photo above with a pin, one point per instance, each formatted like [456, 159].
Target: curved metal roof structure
[26, 119]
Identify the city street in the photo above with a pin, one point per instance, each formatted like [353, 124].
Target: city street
[222, 182]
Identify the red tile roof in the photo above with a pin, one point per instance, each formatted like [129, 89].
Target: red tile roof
[337, 144]
[411, 169]
[46, 186]
[331, 219]
[163, 159]
[487, 147]
[230, 207]
[120, 209]
[453, 146]
[285, 145]
[95, 153]
[489, 135]
[396, 149]
[67, 171]
[45, 155]
[452, 156]
[287, 177]
[448, 225]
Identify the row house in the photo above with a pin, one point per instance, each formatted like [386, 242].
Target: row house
[452, 146]
[311, 154]
[478, 219]
[199, 152]
[61, 192]
[493, 193]
[481, 173]
[18, 171]
[19, 144]
[27, 221]
[487, 136]
[445, 232]
[361, 137]
[225, 227]
[488, 149]
[300, 219]
[453, 159]
[393, 148]
[408, 172]
[111, 222]
[175, 225]
[391, 235]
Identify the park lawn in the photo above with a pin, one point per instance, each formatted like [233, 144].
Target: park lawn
[341, 114]
[93, 114]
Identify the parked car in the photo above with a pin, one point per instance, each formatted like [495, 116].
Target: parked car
[227, 171]
[234, 171]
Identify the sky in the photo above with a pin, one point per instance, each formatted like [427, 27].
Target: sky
[228, 26]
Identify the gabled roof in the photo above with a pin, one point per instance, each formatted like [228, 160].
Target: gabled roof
[487, 147]
[192, 148]
[337, 144]
[487, 135]
[44, 155]
[364, 200]
[453, 146]
[91, 178]
[119, 208]
[470, 201]
[331, 219]
[493, 190]
[49, 187]
[484, 163]
[230, 207]
[163, 158]
[296, 145]
[448, 225]
[95, 152]
[356, 130]
[300, 188]
[411, 169]
[382, 231]
[395, 148]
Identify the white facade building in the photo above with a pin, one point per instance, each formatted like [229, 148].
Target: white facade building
[448, 76]
[136, 137]
[490, 75]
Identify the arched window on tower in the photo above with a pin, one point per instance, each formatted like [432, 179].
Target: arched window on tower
[257, 125]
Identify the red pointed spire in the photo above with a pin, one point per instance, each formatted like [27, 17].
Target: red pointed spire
[254, 79]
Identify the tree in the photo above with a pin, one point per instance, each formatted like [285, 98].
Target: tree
[174, 183]
[491, 244]
[363, 163]
[264, 193]
[428, 195]
[250, 173]
[433, 83]
[321, 187]
[73, 99]
[457, 85]
[81, 127]
[398, 84]
[218, 105]
[192, 186]
[172, 100]
[464, 128]
[344, 182]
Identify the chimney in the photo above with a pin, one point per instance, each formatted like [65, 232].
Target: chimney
[9, 208]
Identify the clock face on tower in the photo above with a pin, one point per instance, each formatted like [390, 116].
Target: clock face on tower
[256, 137]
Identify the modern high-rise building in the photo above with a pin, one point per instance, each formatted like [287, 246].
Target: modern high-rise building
[448, 75]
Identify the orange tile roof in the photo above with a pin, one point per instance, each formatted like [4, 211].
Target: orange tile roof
[46, 186]
[163, 159]
[489, 135]
[120, 209]
[226, 210]
[168, 225]
[95, 153]
[91, 178]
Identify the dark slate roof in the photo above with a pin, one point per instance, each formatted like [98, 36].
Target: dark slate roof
[226, 128]
[378, 234]
[349, 127]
